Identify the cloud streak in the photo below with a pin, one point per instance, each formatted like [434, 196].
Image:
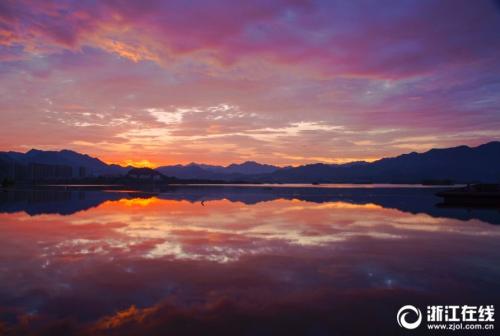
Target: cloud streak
[167, 80]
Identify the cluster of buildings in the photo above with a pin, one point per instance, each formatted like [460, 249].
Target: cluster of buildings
[42, 171]
[145, 174]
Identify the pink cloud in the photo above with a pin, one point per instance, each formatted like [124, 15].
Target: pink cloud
[350, 40]
[372, 73]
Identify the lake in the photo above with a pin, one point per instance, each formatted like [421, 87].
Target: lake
[235, 260]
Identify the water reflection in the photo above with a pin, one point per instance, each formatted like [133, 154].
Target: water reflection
[259, 261]
[412, 200]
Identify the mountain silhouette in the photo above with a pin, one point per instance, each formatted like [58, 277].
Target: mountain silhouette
[231, 172]
[250, 168]
[460, 164]
[93, 166]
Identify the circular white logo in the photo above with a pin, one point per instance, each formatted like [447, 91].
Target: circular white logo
[405, 310]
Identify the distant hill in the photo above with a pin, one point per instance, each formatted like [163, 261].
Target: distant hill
[231, 172]
[187, 172]
[92, 166]
[250, 168]
[148, 174]
[458, 164]
[461, 164]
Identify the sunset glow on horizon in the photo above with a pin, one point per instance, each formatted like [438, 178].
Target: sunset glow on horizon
[284, 82]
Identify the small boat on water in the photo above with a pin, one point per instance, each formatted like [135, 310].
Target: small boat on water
[474, 194]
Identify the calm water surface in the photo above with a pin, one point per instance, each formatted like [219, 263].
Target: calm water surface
[238, 261]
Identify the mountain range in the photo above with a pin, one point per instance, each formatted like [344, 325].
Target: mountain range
[243, 171]
[460, 164]
[75, 160]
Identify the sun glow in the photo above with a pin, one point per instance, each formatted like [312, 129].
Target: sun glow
[137, 164]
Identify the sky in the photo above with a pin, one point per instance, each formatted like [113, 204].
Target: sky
[284, 82]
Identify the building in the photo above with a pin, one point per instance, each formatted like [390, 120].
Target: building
[82, 172]
[145, 174]
[41, 171]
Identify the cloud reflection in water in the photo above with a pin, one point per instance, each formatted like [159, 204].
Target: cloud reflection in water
[146, 265]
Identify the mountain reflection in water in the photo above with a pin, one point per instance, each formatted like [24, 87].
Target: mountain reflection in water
[229, 260]
[413, 200]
